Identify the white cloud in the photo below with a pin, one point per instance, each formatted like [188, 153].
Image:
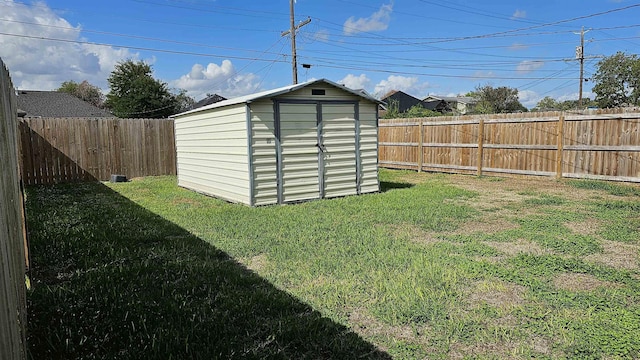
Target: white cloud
[321, 35]
[378, 21]
[529, 98]
[519, 14]
[355, 82]
[220, 79]
[409, 85]
[529, 66]
[517, 46]
[37, 64]
[574, 96]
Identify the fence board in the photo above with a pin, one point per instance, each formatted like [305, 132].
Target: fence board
[602, 144]
[12, 235]
[58, 150]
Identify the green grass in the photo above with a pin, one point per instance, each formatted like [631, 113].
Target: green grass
[148, 270]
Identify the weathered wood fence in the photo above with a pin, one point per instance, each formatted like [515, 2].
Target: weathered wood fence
[603, 144]
[58, 150]
[12, 234]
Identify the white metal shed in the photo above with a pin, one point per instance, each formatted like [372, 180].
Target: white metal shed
[301, 142]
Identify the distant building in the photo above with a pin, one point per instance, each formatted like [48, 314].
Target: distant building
[211, 99]
[460, 105]
[56, 104]
[405, 102]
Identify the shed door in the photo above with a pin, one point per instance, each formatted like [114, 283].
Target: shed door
[338, 134]
[299, 152]
[318, 156]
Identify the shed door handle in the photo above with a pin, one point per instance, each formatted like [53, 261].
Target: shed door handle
[321, 147]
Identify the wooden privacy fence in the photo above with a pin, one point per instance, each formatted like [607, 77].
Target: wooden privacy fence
[58, 150]
[12, 235]
[603, 144]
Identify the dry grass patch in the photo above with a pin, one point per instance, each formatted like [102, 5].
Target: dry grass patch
[496, 293]
[521, 246]
[587, 227]
[414, 234]
[581, 282]
[486, 225]
[367, 326]
[256, 263]
[617, 255]
[498, 350]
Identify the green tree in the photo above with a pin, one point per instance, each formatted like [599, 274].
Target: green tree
[497, 100]
[136, 94]
[84, 90]
[617, 80]
[546, 104]
[185, 102]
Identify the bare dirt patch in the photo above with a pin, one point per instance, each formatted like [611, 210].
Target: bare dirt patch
[581, 282]
[617, 255]
[500, 294]
[521, 246]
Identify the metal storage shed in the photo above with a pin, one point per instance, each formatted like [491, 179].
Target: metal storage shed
[300, 142]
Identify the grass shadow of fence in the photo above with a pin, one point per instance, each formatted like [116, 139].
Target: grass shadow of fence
[114, 280]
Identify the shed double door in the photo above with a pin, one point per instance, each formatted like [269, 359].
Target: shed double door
[317, 154]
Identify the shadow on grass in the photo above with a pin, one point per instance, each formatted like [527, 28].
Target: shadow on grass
[388, 185]
[113, 280]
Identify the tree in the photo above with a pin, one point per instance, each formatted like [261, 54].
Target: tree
[617, 81]
[185, 102]
[84, 91]
[136, 94]
[497, 100]
[547, 104]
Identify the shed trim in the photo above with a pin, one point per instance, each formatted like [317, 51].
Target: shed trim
[356, 112]
[319, 145]
[250, 157]
[276, 130]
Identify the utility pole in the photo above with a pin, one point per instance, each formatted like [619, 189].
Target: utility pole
[580, 57]
[292, 31]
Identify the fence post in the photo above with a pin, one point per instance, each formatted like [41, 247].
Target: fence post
[560, 146]
[420, 146]
[480, 146]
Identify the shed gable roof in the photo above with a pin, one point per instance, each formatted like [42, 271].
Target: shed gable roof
[279, 91]
[56, 104]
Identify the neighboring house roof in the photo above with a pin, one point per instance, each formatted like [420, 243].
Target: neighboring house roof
[275, 92]
[450, 99]
[207, 101]
[406, 102]
[403, 100]
[56, 104]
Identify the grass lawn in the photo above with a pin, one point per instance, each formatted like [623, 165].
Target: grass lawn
[435, 266]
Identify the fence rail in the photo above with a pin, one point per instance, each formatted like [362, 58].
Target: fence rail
[57, 150]
[601, 145]
[12, 235]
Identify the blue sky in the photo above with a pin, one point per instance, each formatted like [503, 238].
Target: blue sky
[234, 48]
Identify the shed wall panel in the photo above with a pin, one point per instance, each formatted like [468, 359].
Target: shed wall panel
[331, 93]
[369, 147]
[263, 139]
[298, 139]
[212, 155]
[339, 135]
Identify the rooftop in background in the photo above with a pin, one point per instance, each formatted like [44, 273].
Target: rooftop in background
[56, 104]
[211, 99]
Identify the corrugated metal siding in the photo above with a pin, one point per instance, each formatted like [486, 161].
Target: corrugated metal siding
[298, 139]
[369, 147]
[265, 185]
[338, 133]
[212, 153]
